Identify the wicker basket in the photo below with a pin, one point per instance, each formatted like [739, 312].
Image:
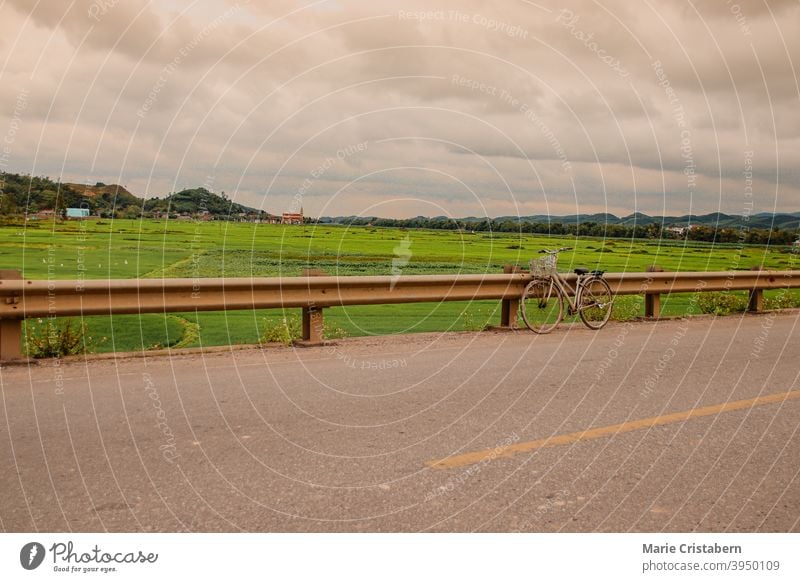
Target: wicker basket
[544, 266]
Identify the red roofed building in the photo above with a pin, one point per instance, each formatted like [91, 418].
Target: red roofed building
[292, 217]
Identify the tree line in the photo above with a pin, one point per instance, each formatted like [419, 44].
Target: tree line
[701, 232]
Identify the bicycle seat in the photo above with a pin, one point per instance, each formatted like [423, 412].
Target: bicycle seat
[581, 271]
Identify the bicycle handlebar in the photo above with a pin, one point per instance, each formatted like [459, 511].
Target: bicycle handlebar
[555, 252]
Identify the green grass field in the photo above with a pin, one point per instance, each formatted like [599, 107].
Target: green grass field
[128, 249]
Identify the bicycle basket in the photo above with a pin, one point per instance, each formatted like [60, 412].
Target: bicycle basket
[544, 266]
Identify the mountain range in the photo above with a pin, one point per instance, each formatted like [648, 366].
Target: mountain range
[764, 220]
[29, 194]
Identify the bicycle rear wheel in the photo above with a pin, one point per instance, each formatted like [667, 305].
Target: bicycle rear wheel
[595, 302]
[541, 306]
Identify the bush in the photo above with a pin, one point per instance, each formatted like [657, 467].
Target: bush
[290, 329]
[332, 331]
[627, 308]
[783, 300]
[283, 331]
[48, 339]
[723, 303]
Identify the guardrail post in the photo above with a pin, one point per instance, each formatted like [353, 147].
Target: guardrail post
[509, 307]
[652, 305]
[10, 328]
[313, 323]
[755, 302]
[652, 301]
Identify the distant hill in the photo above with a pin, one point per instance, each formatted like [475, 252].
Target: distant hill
[198, 200]
[784, 221]
[105, 196]
[780, 229]
[25, 194]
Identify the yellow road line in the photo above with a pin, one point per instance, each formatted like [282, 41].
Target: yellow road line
[605, 431]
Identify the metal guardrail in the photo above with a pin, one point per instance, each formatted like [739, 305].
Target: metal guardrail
[22, 298]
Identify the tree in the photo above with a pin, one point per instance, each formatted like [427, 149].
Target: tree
[132, 211]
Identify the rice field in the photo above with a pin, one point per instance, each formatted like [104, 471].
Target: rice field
[99, 249]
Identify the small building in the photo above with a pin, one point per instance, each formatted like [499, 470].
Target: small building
[679, 230]
[43, 215]
[292, 217]
[77, 213]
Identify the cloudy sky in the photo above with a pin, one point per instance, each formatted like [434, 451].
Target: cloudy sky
[406, 108]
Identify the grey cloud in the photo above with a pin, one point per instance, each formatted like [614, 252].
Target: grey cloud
[748, 8]
[263, 95]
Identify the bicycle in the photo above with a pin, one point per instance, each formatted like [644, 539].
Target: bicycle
[542, 303]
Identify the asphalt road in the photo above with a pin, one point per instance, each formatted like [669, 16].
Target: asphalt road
[667, 426]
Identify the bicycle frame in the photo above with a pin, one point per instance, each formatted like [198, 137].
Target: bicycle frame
[567, 290]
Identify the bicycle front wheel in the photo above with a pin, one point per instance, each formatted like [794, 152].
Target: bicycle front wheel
[595, 302]
[542, 306]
